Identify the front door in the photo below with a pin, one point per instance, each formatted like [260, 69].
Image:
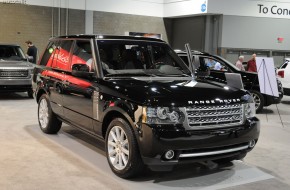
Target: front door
[78, 94]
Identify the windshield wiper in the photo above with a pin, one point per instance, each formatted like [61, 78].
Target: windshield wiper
[128, 75]
[173, 75]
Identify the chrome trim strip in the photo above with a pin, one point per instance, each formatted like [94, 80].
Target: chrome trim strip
[96, 102]
[213, 152]
[15, 68]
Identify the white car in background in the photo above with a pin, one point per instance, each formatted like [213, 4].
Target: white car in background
[283, 73]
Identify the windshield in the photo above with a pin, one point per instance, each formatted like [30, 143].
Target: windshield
[8, 52]
[284, 65]
[135, 58]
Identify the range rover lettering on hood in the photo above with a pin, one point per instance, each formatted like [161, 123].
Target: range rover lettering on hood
[214, 101]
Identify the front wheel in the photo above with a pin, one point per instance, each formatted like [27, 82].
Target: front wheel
[258, 99]
[122, 149]
[47, 120]
[30, 93]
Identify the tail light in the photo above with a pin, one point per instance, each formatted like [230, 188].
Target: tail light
[281, 74]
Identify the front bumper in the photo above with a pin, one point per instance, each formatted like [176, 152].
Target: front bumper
[194, 146]
[15, 85]
[287, 91]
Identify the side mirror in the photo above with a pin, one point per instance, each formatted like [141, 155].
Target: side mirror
[82, 71]
[29, 58]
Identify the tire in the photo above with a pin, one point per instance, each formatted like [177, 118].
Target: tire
[258, 99]
[230, 159]
[122, 150]
[47, 120]
[30, 93]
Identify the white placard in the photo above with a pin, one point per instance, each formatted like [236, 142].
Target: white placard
[267, 77]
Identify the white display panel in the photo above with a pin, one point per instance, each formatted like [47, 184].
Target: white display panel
[267, 76]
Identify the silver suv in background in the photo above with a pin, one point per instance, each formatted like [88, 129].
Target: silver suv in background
[15, 70]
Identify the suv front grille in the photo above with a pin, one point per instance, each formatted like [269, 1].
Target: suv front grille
[10, 73]
[209, 116]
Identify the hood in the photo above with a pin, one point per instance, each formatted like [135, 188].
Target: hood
[174, 92]
[15, 64]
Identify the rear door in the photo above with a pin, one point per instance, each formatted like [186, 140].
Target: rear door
[52, 77]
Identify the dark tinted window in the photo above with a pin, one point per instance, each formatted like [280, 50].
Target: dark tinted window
[8, 52]
[213, 64]
[62, 55]
[120, 57]
[285, 64]
[47, 57]
[82, 55]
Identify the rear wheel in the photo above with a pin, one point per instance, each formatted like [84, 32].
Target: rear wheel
[122, 149]
[47, 120]
[258, 99]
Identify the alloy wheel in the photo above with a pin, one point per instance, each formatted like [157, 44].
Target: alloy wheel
[118, 148]
[257, 100]
[43, 113]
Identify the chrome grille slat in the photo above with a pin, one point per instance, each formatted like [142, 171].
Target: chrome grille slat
[206, 115]
[203, 116]
[5, 73]
[211, 108]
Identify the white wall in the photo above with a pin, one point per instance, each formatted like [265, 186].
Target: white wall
[157, 8]
[135, 7]
[184, 8]
[253, 8]
[255, 33]
[175, 8]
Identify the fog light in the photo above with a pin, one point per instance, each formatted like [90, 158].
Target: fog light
[252, 143]
[169, 154]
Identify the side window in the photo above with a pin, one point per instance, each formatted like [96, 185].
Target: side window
[62, 54]
[82, 58]
[213, 64]
[285, 65]
[47, 57]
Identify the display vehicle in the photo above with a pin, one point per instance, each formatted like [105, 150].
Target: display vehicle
[15, 70]
[250, 80]
[137, 96]
[283, 73]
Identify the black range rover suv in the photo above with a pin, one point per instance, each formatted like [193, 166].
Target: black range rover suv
[138, 96]
[250, 80]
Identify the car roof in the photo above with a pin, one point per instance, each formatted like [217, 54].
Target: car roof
[7, 44]
[100, 36]
[194, 52]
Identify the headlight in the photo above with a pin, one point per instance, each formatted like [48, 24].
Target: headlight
[250, 110]
[162, 115]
